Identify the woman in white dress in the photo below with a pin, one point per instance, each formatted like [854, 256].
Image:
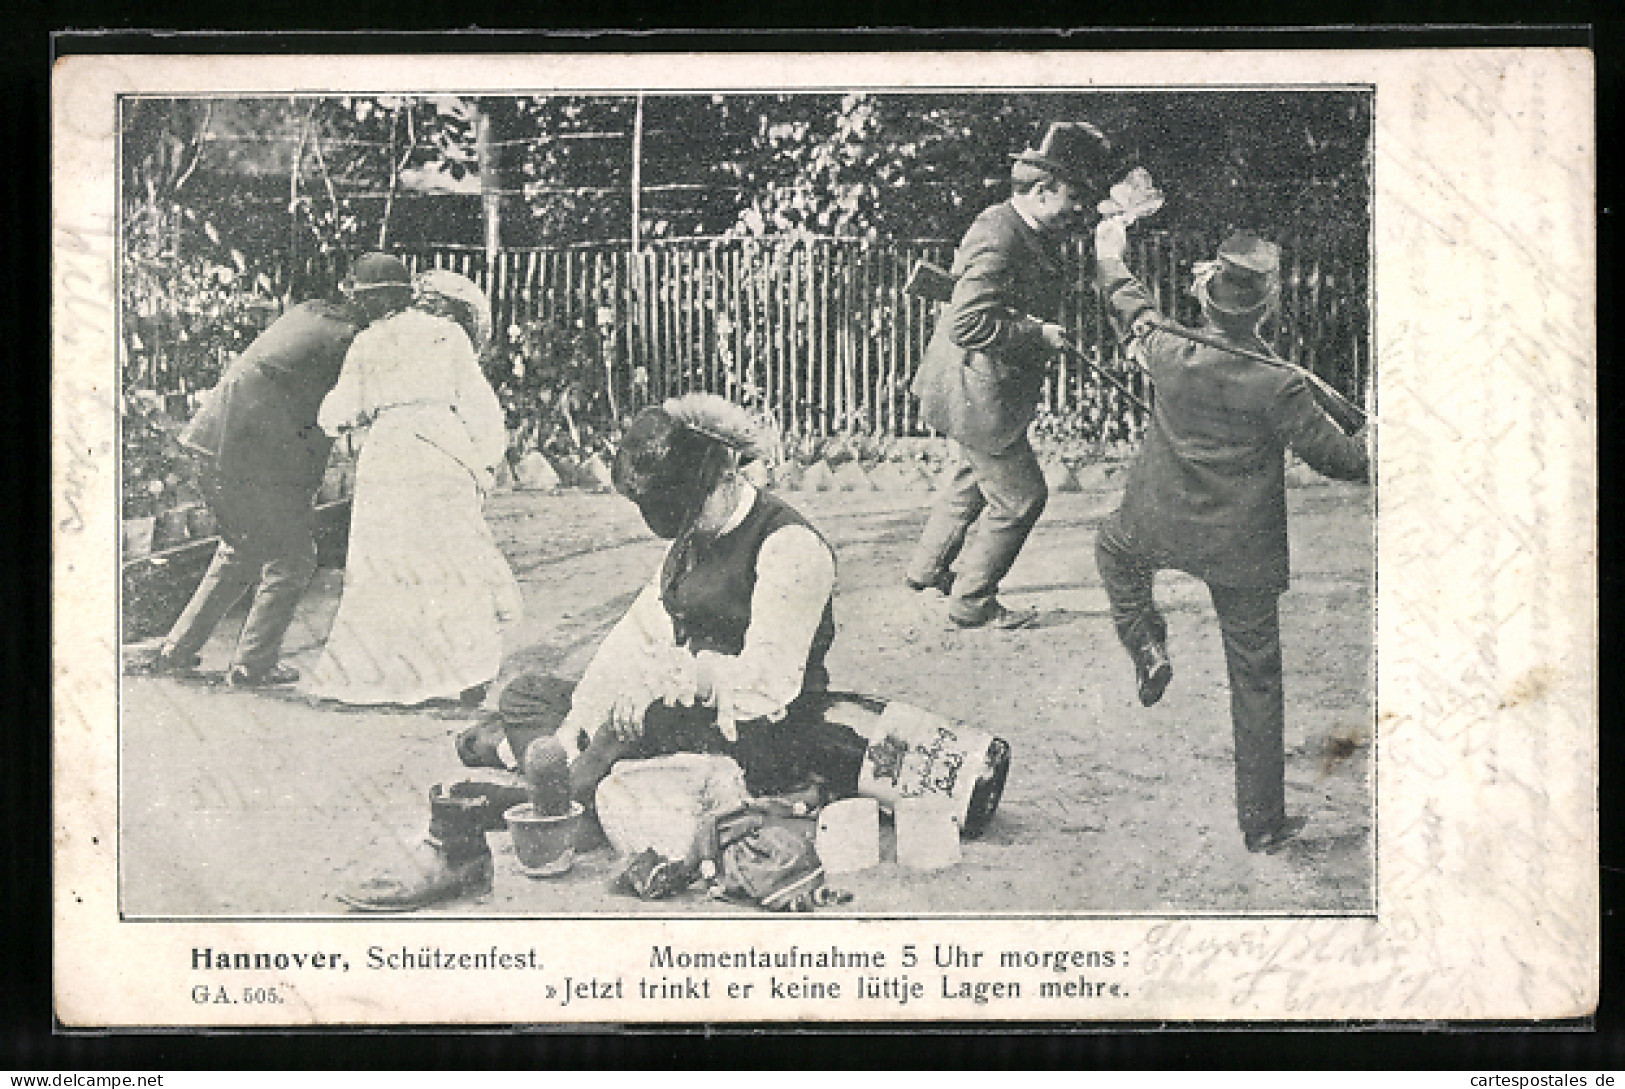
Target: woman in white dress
[425, 587]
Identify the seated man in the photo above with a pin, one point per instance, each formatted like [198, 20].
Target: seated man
[713, 656]
[718, 651]
[722, 652]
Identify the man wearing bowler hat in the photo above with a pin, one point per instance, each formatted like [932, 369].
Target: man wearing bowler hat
[1208, 497]
[260, 456]
[983, 370]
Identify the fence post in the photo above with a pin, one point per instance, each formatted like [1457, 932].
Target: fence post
[822, 331]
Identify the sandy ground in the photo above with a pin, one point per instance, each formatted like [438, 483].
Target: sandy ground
[244, 804]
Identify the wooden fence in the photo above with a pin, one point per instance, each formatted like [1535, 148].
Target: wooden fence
[820, 332]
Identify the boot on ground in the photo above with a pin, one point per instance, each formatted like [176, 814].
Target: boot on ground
[498, 799]
[1270, 840]
[454, 860]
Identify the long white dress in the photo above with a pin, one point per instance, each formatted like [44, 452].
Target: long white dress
[425, 587]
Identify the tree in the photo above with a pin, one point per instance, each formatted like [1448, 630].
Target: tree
[922, 165]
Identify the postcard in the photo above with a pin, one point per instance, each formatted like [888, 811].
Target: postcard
[1064, 537]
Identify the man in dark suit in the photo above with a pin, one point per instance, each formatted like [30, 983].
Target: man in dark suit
[260, 457]
[984, 369]
[1208, 497]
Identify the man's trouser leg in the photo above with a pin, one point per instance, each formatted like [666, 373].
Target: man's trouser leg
[1251, 624]
[282, 583]
[234, 569]
[775, 756]
[1013, 486]
[957, 506]
[229, 576]
[1129, 577]
[666, 729]
[277, 527]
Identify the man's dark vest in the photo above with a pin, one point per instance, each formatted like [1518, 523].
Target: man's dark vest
[707, 588]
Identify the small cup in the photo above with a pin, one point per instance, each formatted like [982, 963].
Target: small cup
[927, 834]
[545, 846]
[849, 835]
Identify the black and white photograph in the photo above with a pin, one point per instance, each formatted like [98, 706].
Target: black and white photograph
[914, 540]
[432, 405]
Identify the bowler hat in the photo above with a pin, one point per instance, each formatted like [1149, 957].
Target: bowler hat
[379, 270]
[1074, 151]
[1245, 276]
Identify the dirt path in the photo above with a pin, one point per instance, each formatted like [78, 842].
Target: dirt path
[242, 804]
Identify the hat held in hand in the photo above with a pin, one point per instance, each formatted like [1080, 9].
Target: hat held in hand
[1074, 151]
[1133, 198]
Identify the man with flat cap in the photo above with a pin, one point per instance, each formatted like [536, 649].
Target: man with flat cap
[1207, 496]
[260, 457]
[983, 371]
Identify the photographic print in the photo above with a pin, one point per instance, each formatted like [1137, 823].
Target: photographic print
[994, 536]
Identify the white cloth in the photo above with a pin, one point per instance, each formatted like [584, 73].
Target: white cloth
[453, 295]
[640, 660]
[425, 587]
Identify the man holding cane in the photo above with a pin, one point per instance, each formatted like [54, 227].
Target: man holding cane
[1207, 496]
[984, 369]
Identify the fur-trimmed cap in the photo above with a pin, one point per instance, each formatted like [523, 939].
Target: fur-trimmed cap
[720, 419]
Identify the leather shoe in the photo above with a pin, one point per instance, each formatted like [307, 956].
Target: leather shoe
[478, 746]
[1152, 672]
[277, 674]
[1273, 839]
[999, 618]
[435, 881]
[942, 584]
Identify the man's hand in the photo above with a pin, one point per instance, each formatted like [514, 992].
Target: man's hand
[626, 717]
[1055, 337]
[1111, 239]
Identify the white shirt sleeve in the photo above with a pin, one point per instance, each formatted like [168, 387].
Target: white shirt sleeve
[640, 659]
[621, 666]
[481, 412]
[795, 575]
[345, 405]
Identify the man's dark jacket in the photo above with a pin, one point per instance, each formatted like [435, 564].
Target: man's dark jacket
[983, 370]
[1208, 493]
[259, 424]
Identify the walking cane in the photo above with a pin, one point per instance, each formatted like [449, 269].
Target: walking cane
[936, 284]
[933, 282]
[1345, 413]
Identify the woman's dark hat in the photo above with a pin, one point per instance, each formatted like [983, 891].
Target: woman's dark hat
[664, 444]
[379, 270]
[1247, 270]
[1074, 151]
[655, 455]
